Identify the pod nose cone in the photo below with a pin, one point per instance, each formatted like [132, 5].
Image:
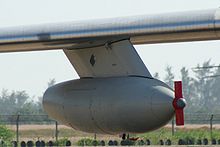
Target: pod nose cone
[162, 106]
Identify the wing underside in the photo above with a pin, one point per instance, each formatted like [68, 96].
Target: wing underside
[109, 60]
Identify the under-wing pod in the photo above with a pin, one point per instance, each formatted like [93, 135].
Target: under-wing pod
[111, 105]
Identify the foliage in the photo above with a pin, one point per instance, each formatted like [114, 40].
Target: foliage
[88, 142]
[51, 82]
[188, 89]
[19, 102]
[200, 90]
[156, 75]
[169, 76]
[85, 142]
[185, 134]
[61, 142]
[6, 134]
[164, 134]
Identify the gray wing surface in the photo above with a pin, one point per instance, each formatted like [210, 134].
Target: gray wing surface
[115, 59]
[100, 48]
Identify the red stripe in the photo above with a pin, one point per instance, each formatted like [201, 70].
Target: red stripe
[178, 89]
[179, 117]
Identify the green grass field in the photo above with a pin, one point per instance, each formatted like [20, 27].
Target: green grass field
[193, 134]
[48, 133]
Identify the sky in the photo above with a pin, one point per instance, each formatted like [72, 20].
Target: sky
[30, 71]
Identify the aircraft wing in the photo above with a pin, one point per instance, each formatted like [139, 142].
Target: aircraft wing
[82, 40]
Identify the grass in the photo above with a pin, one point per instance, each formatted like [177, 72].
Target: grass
[193, 134]
[50, 133]
[163, 134]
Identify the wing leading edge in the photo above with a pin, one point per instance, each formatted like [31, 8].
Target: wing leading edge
[170, 27]
[85, 42]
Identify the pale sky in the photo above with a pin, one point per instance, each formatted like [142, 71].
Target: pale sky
[31, 71]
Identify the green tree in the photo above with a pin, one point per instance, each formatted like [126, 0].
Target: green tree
[6, 134]
[203, 86]
[216, 90]
[169, 78]
[188, 90]
[11, 101]
[156, 75]
[51, 82]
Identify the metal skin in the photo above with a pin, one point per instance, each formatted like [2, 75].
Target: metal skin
[111, 105]
[169, 27]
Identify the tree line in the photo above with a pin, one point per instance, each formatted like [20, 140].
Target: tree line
[20, 103]
[201, 90]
